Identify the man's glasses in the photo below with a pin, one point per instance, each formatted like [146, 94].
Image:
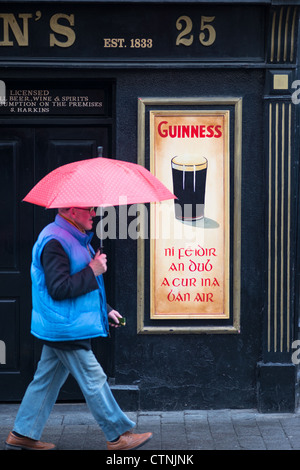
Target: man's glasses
[90, 209]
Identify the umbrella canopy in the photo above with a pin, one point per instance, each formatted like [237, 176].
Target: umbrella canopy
[97, 182]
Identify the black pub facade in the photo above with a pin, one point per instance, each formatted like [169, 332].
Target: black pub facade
[212, 314]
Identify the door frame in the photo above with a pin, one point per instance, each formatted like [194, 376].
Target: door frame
[65, 121]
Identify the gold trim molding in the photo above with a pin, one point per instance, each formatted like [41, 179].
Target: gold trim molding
[234, 328]
[279, 226]
[284, 24]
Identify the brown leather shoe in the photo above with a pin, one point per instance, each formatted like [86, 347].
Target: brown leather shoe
[129, 441]
[18, 443]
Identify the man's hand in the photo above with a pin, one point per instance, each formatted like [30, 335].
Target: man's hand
[114, 316]
[99, 263]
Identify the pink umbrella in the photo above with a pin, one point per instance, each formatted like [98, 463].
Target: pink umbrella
[97, 182]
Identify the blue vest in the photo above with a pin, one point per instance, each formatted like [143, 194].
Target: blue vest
[77, 318]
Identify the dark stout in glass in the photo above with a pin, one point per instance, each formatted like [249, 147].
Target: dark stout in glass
[189, 180]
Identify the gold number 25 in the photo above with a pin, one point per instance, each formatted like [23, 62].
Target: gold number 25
[207, 35]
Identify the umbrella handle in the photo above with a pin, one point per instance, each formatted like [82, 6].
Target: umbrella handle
[101, 247]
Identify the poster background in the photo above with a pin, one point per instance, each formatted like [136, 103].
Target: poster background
[190, 260]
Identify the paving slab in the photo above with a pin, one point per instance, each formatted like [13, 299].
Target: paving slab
[72, 427]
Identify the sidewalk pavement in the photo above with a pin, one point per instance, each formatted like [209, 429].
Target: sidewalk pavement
[72, 427]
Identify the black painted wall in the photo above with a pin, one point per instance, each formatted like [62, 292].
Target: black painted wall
[196, 371]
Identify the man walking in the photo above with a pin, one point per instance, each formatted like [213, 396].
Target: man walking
[69, 309]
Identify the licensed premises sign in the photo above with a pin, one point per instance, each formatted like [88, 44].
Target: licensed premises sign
[48, 101]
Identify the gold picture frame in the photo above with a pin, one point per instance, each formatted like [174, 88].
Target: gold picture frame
[196, 111]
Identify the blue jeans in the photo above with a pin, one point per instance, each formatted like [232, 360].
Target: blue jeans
[52, 371]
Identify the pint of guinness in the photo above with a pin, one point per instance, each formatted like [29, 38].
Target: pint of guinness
[189, 180]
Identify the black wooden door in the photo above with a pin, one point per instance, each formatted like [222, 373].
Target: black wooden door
[26, 155]
[16, 233]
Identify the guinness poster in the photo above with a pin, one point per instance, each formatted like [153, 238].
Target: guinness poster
[189, 153]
